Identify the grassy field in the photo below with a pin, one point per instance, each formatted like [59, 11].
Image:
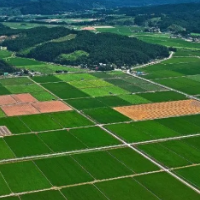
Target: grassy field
[183, 84]
[22, 62]
[121, 30]
[65, 171]
[174, 153]
[113, 101]
[166, 40]
[141, 131]
[41, 122]
[46, 79]
[190, 174]
[27, 177]
[170, 186]
[187, 53]
[85, 103]
[27, 145]
[61, 141]
[73, 56]
[19, 25]
[15, 125]
[5, 54]
[163, 96]
[104, 91]
[175, 67]
[75, 77]
[111, 116]
[81, 192]
[94, 137]
[64, 90]
[65, 38]
[51, 195]
[134, 99]
[103, 165]
[6, 152]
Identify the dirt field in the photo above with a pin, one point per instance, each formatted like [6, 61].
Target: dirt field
[6, 100]
[19, 109]
[51, 106]
[160, 110]
[26, 104]
[24, 98]
[90, 28]
[4, 131]
[104, 27]
[16, 98]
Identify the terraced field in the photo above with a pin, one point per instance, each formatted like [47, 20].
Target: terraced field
[91, 151]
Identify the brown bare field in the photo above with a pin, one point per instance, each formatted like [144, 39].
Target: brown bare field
[51, 106]
[90, 28]
[24, 98]
[4, 131]
[16, 98]
[26, 104]
[160, 110]
[19, 109]
[6, 99]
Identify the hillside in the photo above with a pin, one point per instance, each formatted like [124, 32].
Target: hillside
[57, 6]
[5, 67]
[181, 18]
[83, 48]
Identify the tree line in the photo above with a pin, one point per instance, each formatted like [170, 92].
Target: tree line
[31, 37]
[5, 67]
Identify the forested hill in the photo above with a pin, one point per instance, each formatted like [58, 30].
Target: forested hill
[181, 18]
[84, 47]
[57, 6]
[4, 67]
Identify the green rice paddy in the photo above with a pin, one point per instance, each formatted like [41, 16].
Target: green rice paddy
[81, 153]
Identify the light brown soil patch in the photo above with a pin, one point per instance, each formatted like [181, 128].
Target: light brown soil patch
[4, 131]
[6, 100]
[90, 28]
[160, 110]
[19, 109]
[51, 106]
[24, 98]
[26, 104]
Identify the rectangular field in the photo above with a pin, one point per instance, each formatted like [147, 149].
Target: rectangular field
[106, 115]
[27, 177]
[160, 110]
[176, 153]
[183, 84]
[63, 171]
[190, 174]
[142, 131]
[64, 90]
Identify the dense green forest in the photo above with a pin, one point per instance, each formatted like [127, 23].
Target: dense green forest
[5, 67]
[31, 37]
[58, 6]
[99, 48]
[180, 18]
[4, 30]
